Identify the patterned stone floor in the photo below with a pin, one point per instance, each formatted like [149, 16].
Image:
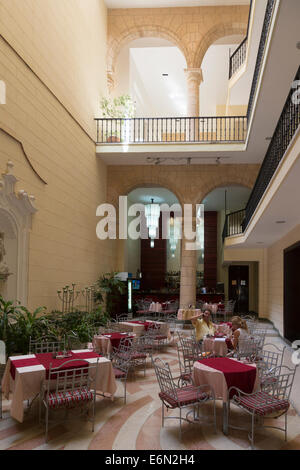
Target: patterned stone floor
[137, 425]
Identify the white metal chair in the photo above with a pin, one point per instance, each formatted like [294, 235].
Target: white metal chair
[173, 397]
[269, 359]
[46, 344]
[68, 388]
[261, 405]
[121, 368]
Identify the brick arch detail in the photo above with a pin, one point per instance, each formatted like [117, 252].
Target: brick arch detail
[137, 32]
[219, 31]
[125, 189]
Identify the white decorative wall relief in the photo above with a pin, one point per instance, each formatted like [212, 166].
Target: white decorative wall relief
[16, 212]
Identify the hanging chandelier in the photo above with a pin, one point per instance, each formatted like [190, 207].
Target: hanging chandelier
[152, 213]
[174, 235]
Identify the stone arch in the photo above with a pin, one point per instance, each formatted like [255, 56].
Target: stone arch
[146, 182]
[137, 32]
[217, 32]
[212, 185]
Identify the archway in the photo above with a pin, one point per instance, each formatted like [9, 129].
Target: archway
[151, 71]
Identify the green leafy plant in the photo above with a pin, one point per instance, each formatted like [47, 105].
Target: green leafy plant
[118, 108]
[113, 289]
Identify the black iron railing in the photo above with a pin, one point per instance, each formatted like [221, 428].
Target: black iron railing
[233, 224]
[172, 130]
[287, 126]
[261, 52]
[237, 59]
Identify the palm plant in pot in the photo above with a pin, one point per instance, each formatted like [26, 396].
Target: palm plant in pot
[116, 111]
[113, 288]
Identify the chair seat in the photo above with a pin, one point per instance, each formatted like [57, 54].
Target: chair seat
[186, 396]
[119, 374]
[160, 337]
[55, 400]
[138, 355]
[262, 403]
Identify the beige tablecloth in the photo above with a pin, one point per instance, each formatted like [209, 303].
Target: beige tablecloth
[140, 329]
[186, 314]
[204, 375]
[215, 345]
[27, 382]
[102, 344]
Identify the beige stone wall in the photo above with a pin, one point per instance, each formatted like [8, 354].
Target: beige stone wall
[193, 30]
[52, 61]
[64, 43]
[276, 277]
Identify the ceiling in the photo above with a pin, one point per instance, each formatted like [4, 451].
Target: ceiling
[171, 3]
[160, 196]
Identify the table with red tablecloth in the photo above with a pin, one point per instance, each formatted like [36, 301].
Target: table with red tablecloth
[24, 375]
[223, 373]
[106, 342]
[139, 327]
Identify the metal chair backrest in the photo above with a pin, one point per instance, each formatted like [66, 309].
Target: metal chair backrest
[46, 344]
[248, 348]
[64, 378]
[164, 378]
[282, 386]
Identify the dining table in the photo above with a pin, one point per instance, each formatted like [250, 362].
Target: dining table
[24, 375]
[187, 313]
[222, 374]
[139, 327]
[216, 345]
[105, 343]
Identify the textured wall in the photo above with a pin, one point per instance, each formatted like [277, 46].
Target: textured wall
[52, 60]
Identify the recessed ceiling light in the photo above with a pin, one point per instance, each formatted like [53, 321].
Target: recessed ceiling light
[165, 74]
[280, 221]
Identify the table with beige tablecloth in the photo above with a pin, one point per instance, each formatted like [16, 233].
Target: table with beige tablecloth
[217, 346]
[103, 343]
[204, 374]
[138, 328]
[27, 381]
[187, 313]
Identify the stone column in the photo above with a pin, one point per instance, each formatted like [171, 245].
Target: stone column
[188, 270]
[194, 79]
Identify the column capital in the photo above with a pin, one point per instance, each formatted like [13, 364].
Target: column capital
[194, 74]
[110, 80]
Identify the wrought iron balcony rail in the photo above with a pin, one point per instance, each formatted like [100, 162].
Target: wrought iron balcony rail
[261, 52]
[287, 127]
[234, 224]
[172, 130]
[237, 59]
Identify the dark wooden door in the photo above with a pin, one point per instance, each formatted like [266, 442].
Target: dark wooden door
[154, 262]
[292, 293]
[238, 289]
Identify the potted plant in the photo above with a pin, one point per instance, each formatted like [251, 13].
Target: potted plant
[119, 108]
[113, 289]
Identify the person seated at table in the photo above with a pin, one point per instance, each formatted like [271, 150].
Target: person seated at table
[239, 331]
[203, 325]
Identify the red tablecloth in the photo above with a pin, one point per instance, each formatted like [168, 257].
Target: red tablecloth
[115, 338]
[146, 325]
[46, 359]
[236, 374]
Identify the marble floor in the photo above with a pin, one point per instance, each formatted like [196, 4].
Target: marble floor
[137, 425]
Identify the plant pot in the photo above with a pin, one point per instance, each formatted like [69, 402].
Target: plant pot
[113, 138]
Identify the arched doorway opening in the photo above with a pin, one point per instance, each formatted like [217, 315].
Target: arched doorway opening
[153, 262]
[236, 277]
[151, 71]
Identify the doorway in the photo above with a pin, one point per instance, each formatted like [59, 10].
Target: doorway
[291, 293]
[238, 289]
